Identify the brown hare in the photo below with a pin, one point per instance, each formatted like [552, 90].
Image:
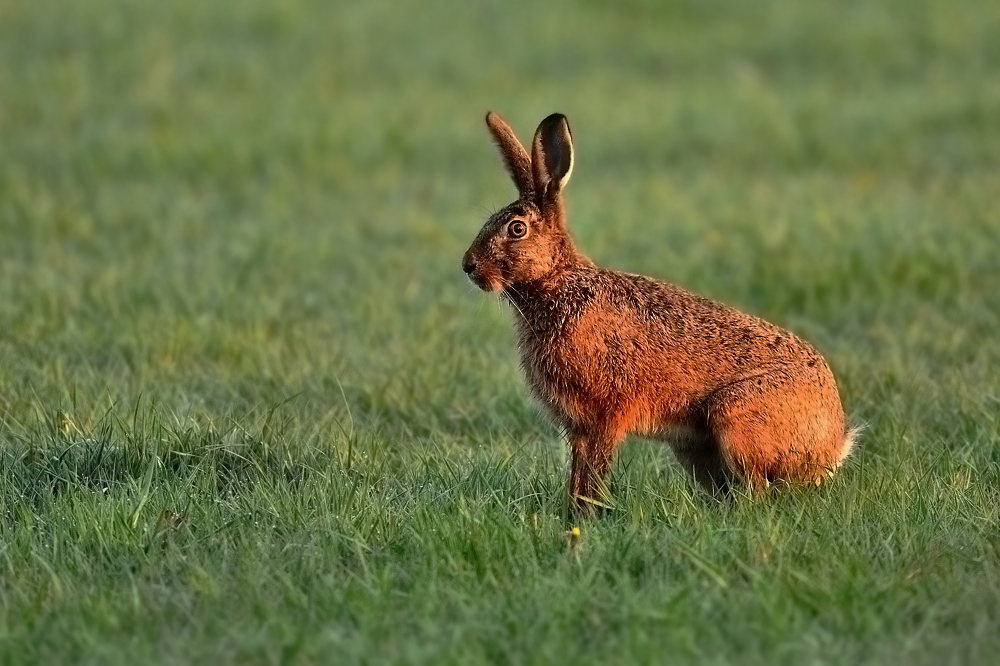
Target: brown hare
[608, 353]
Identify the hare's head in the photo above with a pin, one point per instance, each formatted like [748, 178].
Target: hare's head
[526, 241]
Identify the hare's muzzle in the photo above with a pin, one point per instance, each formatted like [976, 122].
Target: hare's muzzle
[482, 279]
[468, 263]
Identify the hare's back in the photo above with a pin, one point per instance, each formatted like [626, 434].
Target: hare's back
[694, 330]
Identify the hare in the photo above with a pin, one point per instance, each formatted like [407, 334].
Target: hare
[611, 354]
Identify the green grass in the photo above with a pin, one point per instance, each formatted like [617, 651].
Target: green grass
[252, 411]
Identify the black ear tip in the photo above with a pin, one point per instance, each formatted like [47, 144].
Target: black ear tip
[555, 121]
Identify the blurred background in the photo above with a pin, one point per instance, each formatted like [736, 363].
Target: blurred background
[230, 284]
[225, 204]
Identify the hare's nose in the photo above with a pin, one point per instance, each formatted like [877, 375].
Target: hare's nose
[468, 263]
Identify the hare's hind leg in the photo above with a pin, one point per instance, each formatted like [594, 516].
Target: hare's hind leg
[779, 427]
[699, 453]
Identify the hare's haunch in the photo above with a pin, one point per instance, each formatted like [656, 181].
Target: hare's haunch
[609, 353]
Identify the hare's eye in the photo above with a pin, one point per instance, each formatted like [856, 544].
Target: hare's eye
[517, 229]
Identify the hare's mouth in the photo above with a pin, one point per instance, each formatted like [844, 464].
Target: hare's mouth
[486, 281]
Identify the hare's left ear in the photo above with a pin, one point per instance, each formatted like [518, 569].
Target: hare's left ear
[515, 157]
[552, 156]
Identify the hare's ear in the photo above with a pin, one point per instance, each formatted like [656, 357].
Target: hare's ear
[552, 156]
[515, 157]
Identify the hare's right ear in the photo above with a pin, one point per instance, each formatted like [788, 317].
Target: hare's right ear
[515, 157]
[552, 157]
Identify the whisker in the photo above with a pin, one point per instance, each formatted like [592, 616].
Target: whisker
[512, 302]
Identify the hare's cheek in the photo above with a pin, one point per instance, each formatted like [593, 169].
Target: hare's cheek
[536, 266]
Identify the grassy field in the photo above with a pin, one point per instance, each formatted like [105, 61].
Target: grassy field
[251, 410]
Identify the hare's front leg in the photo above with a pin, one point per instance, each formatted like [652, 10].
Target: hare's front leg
[592, 451]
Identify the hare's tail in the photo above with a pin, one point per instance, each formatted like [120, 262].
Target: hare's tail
[850, 438]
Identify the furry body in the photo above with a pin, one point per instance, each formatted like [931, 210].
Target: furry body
[610, 353]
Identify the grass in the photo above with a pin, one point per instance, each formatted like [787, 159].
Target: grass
[251, 410]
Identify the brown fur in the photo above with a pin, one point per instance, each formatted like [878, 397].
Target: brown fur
[610, 354]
